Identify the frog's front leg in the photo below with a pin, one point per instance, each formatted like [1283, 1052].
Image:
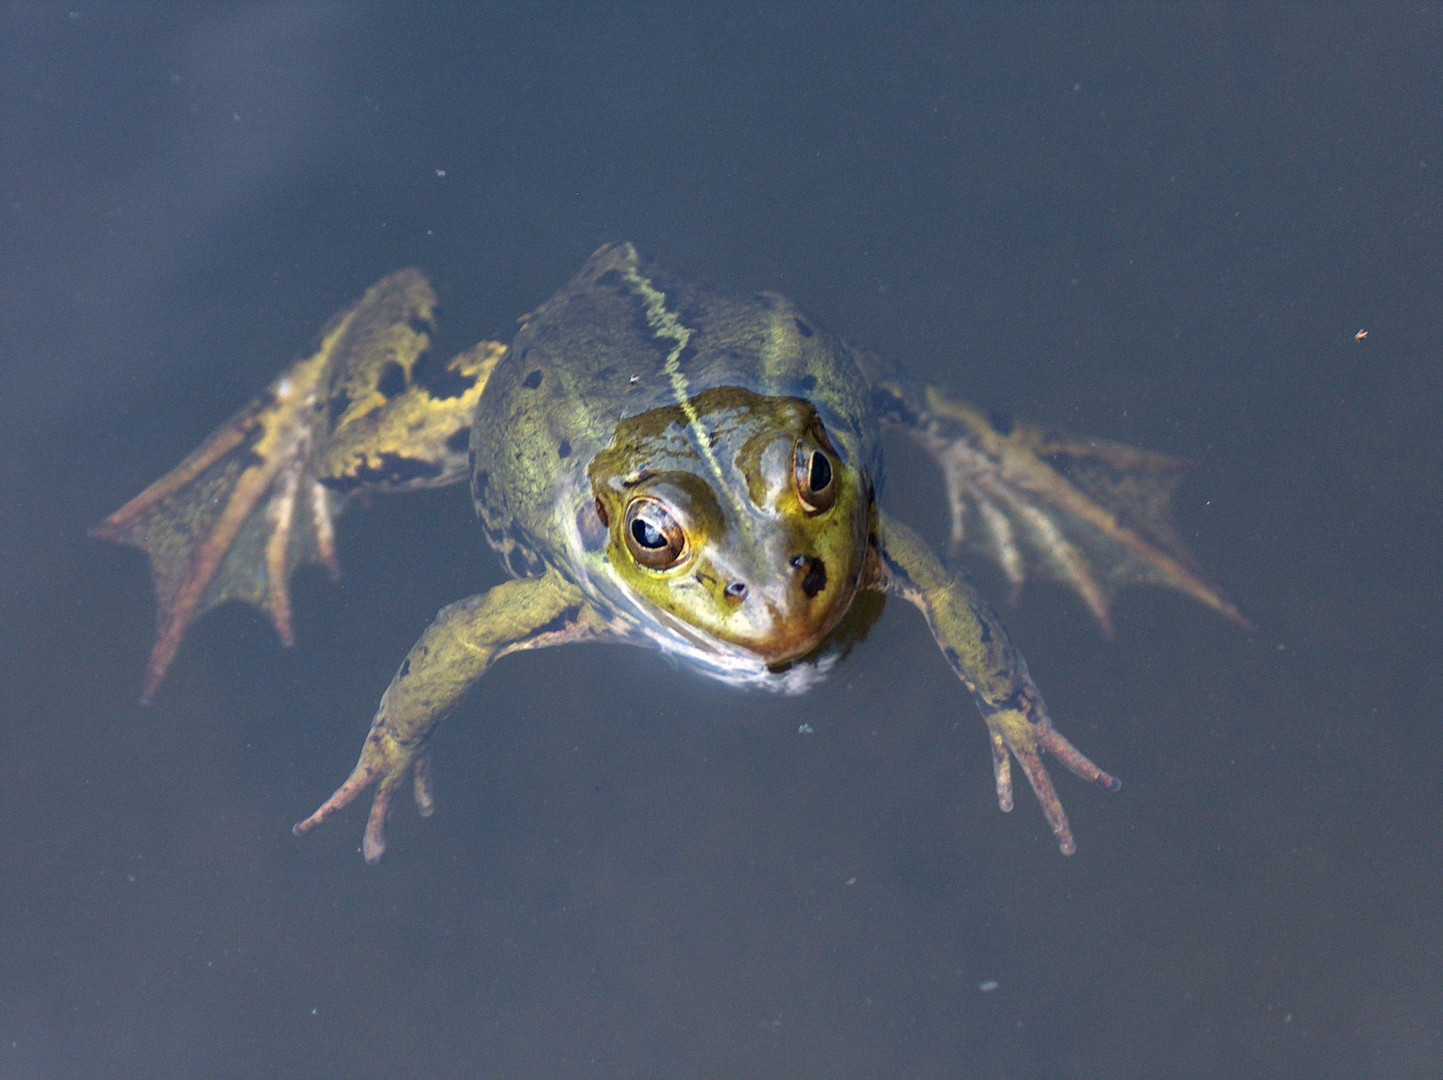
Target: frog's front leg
[454, 652]
[975, 643]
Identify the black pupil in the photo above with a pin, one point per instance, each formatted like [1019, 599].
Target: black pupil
[821, 474]
[647, 534]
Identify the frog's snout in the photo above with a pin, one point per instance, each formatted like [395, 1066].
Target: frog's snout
[811, 579]
[782, 619]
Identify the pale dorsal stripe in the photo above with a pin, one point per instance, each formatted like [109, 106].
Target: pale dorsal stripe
[665, 324]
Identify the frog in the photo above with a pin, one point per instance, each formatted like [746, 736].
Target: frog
[662, 463]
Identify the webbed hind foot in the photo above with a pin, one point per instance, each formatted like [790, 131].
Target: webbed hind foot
[258, 499]
[1093, 515]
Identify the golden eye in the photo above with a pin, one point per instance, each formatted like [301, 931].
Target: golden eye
[652, 534]
[816, 478]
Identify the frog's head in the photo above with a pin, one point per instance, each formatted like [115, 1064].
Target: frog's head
[737, 519]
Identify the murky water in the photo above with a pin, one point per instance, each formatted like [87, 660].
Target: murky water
[1165, 226]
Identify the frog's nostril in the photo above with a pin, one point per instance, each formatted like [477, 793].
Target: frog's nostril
[815, 578]
[737, 591]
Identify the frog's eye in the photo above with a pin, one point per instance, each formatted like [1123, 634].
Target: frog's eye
[816, 478]
[653, 535]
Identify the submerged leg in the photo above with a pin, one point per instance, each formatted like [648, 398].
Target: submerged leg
[1095, 515]
[1091, 514]
[454, 652]
[980, 652]
[258, 499]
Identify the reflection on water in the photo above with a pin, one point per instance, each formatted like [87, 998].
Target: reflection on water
[1164, 228]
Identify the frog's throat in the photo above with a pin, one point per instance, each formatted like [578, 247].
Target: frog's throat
[722, 660]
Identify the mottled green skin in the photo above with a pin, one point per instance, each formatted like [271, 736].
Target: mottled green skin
[631, 383]
[588, 358]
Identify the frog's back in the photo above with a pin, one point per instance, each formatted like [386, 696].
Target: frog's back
[621, 338]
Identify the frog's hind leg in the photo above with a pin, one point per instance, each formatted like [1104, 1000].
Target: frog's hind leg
[260, 496]
[1091, 514]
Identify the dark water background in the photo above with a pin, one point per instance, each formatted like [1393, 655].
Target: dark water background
[1162, 225]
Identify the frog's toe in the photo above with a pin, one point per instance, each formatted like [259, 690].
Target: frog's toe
[1031, 762]
[373, 844]
[359, 780]
[1056, 744]
[1002, 769]
[383, 766]
[1015, 735]
[424, 789]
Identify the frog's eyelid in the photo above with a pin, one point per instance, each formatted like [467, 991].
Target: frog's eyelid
[657, 515]
[817, 431]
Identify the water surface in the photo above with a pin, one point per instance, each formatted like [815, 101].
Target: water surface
[1165, 226]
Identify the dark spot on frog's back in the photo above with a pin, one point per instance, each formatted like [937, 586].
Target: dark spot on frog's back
[533, 380]
[521, 561]
[496, 538]
[803, 328]
[563, 449]
[392, 382]
[807, 383]
[694, 314]
[458, 440]
[641, 327]
[611, 279]
[1000, 420]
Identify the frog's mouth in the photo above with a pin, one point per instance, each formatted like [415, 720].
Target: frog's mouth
[740, 665]
[772, 625]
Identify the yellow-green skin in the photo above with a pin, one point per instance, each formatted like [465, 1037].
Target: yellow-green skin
[660, 463]
[629, 383]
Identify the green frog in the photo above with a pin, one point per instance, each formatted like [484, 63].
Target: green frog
[661, 463]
